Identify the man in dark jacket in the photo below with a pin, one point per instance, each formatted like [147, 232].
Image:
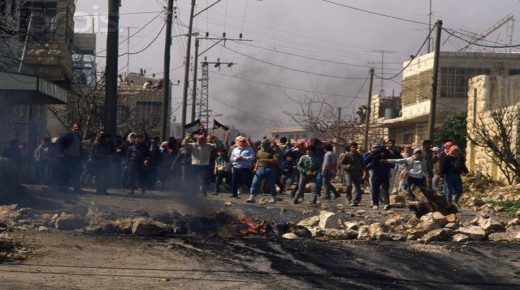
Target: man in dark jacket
[70, 154]
[137, 160]
[379, 175]
[352, 165]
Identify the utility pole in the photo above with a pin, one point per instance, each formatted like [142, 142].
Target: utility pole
[369, 107]
[430, 28]
[435, 78]
[194, 89]
[166, 75]
[128, 50]
[110, 113]
[338, 128]
[187, 70]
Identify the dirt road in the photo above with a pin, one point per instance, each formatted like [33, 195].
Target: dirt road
[69, 260]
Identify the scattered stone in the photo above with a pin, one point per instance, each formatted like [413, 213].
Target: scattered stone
[228, 203]
[439, 219]
[66, 221]
[517, 214]
[503, 236]
[437, 235]
[517, 237]
[351, 226]
[491, 225]
[289, 236]
[165, 280]
[360, 212]
[451, 218]
[123, 225]
[397, 199]
[43, 229]
[513, 222]
[148, 227]
[473, 232]
[309, 222]
[460, 238]
[392, 222]
[397, 237]
[451, 226]
[363, 233]
[300, 231]
[328, 220]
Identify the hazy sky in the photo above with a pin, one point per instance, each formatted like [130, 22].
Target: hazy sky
[299, 47]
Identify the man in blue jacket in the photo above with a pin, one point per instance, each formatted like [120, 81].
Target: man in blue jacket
[379, 174]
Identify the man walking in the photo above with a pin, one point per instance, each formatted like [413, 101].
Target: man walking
[266, 161]
[352, 165]
[328, 171]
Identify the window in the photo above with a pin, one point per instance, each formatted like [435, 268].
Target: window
[454, 81]
[42, 19]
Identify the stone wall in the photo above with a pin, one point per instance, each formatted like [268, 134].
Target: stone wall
[486, 94]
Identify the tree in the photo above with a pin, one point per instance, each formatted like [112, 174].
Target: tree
[495, 134]
[454, 129]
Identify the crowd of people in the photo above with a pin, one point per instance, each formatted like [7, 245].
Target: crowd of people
[273, 166]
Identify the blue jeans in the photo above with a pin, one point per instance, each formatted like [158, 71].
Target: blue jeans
[453, 186]
[261, 174]
[353, 179]
[303, 180]
[379, 186]
[240, 176]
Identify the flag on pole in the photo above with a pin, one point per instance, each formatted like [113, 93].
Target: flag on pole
[217, 124]
[193, 127]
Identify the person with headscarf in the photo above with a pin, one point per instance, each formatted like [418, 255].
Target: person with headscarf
[452, 168]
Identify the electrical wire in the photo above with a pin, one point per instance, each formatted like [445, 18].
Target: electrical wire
[375, 13]
[288, 68]
[279, 86]
[410, 61]
[145, 48]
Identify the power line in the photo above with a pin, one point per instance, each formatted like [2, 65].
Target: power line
[280, 86]
[410, 61]
[128, 13]
[288, 68]
[145, 48]
[375, 13]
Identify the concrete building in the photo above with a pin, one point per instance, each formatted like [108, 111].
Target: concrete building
[487, 94]
[455, 69]
[292, 133]
[35, 66]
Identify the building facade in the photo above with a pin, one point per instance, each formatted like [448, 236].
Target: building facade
[486, 95]
[455, 70]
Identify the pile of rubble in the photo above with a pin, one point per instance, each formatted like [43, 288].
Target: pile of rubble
[488, 199]
[430, 227]
[10, 220]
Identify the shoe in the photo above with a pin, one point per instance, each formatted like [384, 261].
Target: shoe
[215, 193]
[337, 195]
[279, 199]
[314, 202]
[251, 199]
[375, 207]
[386, 207]
[326, 197]
[355, 203]
[272, 200]
[296, 199]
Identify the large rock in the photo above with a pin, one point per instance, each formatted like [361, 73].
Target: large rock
[437, 235]
[503, 236]
[490, 225]
[364, 233]
[9, 214]
[149, 227]
[451, 218]
[328, 220]
[310, 222]
[439, 219]
[473, 232]
[66, 221]
[397, 199]
[123, 225]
